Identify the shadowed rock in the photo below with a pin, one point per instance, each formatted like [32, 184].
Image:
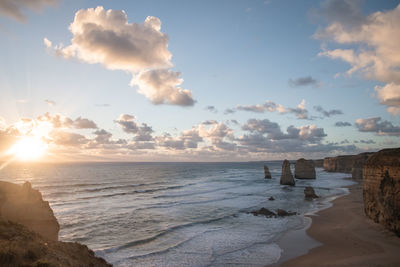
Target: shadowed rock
[381, 188]
[263, 211]
[271, 198]
[266, 172]
[284, 213]
[309, 193]
[304, 169]
[24, 205]
[286, 176]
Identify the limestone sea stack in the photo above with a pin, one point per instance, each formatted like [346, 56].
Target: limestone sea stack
[24, 205]
[286, 176]
[266, 172]
[304, 169]
[381, 188]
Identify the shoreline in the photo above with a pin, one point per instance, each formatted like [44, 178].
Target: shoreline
[341, 235]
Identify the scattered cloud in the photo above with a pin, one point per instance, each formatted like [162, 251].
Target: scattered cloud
[328, 113]
[229, 111]
[300, 111]
[367, 142]
[304, 81]
[212, 109]
[105, 37]
[342, 124]
[59, 121]
[15, 8]
[50, 102]
[375, 45]
[378, 126]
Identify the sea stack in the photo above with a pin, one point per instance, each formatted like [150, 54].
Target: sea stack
[266, 172]
[381, 187]
[304, 169]
[24, 205]
[287, 177]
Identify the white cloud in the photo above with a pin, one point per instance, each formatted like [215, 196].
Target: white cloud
[162, 87]
[378, 126]
[105, 37]
[14, 8]
[377, 47]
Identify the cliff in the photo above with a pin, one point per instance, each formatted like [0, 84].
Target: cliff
[24, 205]
[20, 246]
[358, 163]
[304, 169]
[339, 164]
[29, 232]
[381, 188]
[286, 176]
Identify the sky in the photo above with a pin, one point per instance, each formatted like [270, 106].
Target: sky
[198, 80]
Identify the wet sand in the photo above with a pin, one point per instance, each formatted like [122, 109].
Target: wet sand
[348, 238]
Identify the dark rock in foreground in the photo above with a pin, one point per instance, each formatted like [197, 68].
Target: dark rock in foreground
[20, 246]
[287, 176]
[309, 193]
[24, 205]
[304, 169]
[271, 198]
[29, 232]
[266, 172]
[381, 188]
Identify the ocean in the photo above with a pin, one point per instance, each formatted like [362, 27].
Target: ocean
[175, 214]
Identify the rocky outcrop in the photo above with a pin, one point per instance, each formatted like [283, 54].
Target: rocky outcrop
[20, 246]
[319, 163]
[359, 161]
[286, 176]
[24, 205]
[266, 172]
[309, 193]
[304, 169]
[267, 213]
[29, 232]
[381, 188]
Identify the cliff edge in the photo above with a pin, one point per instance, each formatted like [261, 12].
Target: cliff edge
[29, 232]
[381, 188]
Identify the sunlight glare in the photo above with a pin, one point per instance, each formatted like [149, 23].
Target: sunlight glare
[28, 149]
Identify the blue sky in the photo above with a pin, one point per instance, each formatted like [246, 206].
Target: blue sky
[231, 55]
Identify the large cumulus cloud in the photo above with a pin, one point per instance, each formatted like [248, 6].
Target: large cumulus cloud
[375, 45]
[105, 37]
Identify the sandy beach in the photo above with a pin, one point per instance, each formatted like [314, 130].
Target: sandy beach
[348, 237]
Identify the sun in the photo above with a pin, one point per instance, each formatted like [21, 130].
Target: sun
[28, 149]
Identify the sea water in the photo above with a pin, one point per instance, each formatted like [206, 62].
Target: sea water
[175, 214]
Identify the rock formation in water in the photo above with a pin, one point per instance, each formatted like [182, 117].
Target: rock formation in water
[29, 232]
[266, 172]
[284, 213]
[381, 188]
[304, 169]
[24, 205]
[263, 211]
[286, 176]
[309, 193]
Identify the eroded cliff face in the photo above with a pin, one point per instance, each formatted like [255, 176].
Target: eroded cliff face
[287, 176]
[358, 163]
[381, 188]
[24, 205]
[339, 164]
